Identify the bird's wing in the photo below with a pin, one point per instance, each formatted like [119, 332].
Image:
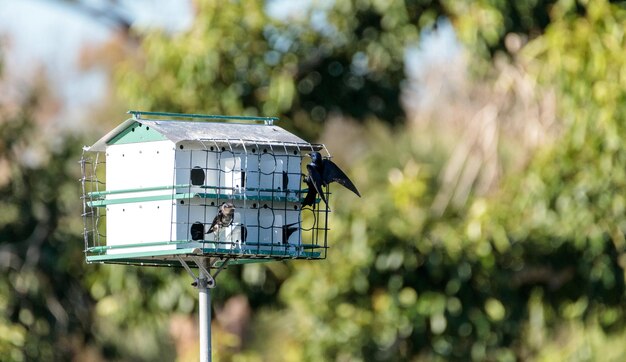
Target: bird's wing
[309, 199]
[332, 172]
[215, 222]
[316, 181]
[288, 230]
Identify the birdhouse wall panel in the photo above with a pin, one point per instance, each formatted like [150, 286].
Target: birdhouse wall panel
[137, 223]
[188, 214]
[139, 165]
[231, 174]
[292, 226]
[272, 171]
[188, 161]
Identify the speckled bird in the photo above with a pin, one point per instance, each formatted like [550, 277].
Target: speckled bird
[224, 218]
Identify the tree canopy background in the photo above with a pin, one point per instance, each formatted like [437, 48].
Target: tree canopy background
[493, 214]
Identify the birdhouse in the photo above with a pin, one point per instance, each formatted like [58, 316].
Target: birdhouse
[164, 185]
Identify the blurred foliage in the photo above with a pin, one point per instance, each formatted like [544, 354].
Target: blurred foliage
[494, 279]
[346, 60]
[484, 24]
[532, 270]
[45, 310]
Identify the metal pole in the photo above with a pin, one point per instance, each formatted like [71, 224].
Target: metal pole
[205, 319]
[204, 282]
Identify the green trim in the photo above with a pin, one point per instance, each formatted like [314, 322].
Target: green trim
[130, 200]
[136, 133]
[187, 196]
[176, 263]
[248, 197]
[250, 246]
[103, 249]
[143, 254]
[138, 114]
[239, 257]
[138, 262]
[100, 194]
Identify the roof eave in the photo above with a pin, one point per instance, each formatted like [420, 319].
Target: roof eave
[101, 144]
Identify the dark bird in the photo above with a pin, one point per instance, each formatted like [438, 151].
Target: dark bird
[288, 230]
[224, 218]
[321, 173]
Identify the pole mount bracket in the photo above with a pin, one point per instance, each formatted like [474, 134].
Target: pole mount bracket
[204, 279]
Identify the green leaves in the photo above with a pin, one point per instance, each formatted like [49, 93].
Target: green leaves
[496, 275]
[492, 278]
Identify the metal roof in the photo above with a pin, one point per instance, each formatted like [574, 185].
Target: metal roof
[177, 131]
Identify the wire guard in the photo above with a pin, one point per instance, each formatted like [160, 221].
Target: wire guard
[239, 199]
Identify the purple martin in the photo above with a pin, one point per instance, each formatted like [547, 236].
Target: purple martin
[224, 218]
[321, 173]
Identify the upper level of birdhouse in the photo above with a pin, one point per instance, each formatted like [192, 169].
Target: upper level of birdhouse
[145, 153]
[165, 176]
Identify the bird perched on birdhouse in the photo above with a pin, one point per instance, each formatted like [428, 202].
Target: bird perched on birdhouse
[225, 217]
[322, 172]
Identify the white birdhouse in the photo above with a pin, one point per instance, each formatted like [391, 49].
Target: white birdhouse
[153, 187]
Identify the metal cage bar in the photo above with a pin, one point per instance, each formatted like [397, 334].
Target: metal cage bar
[260, 183]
